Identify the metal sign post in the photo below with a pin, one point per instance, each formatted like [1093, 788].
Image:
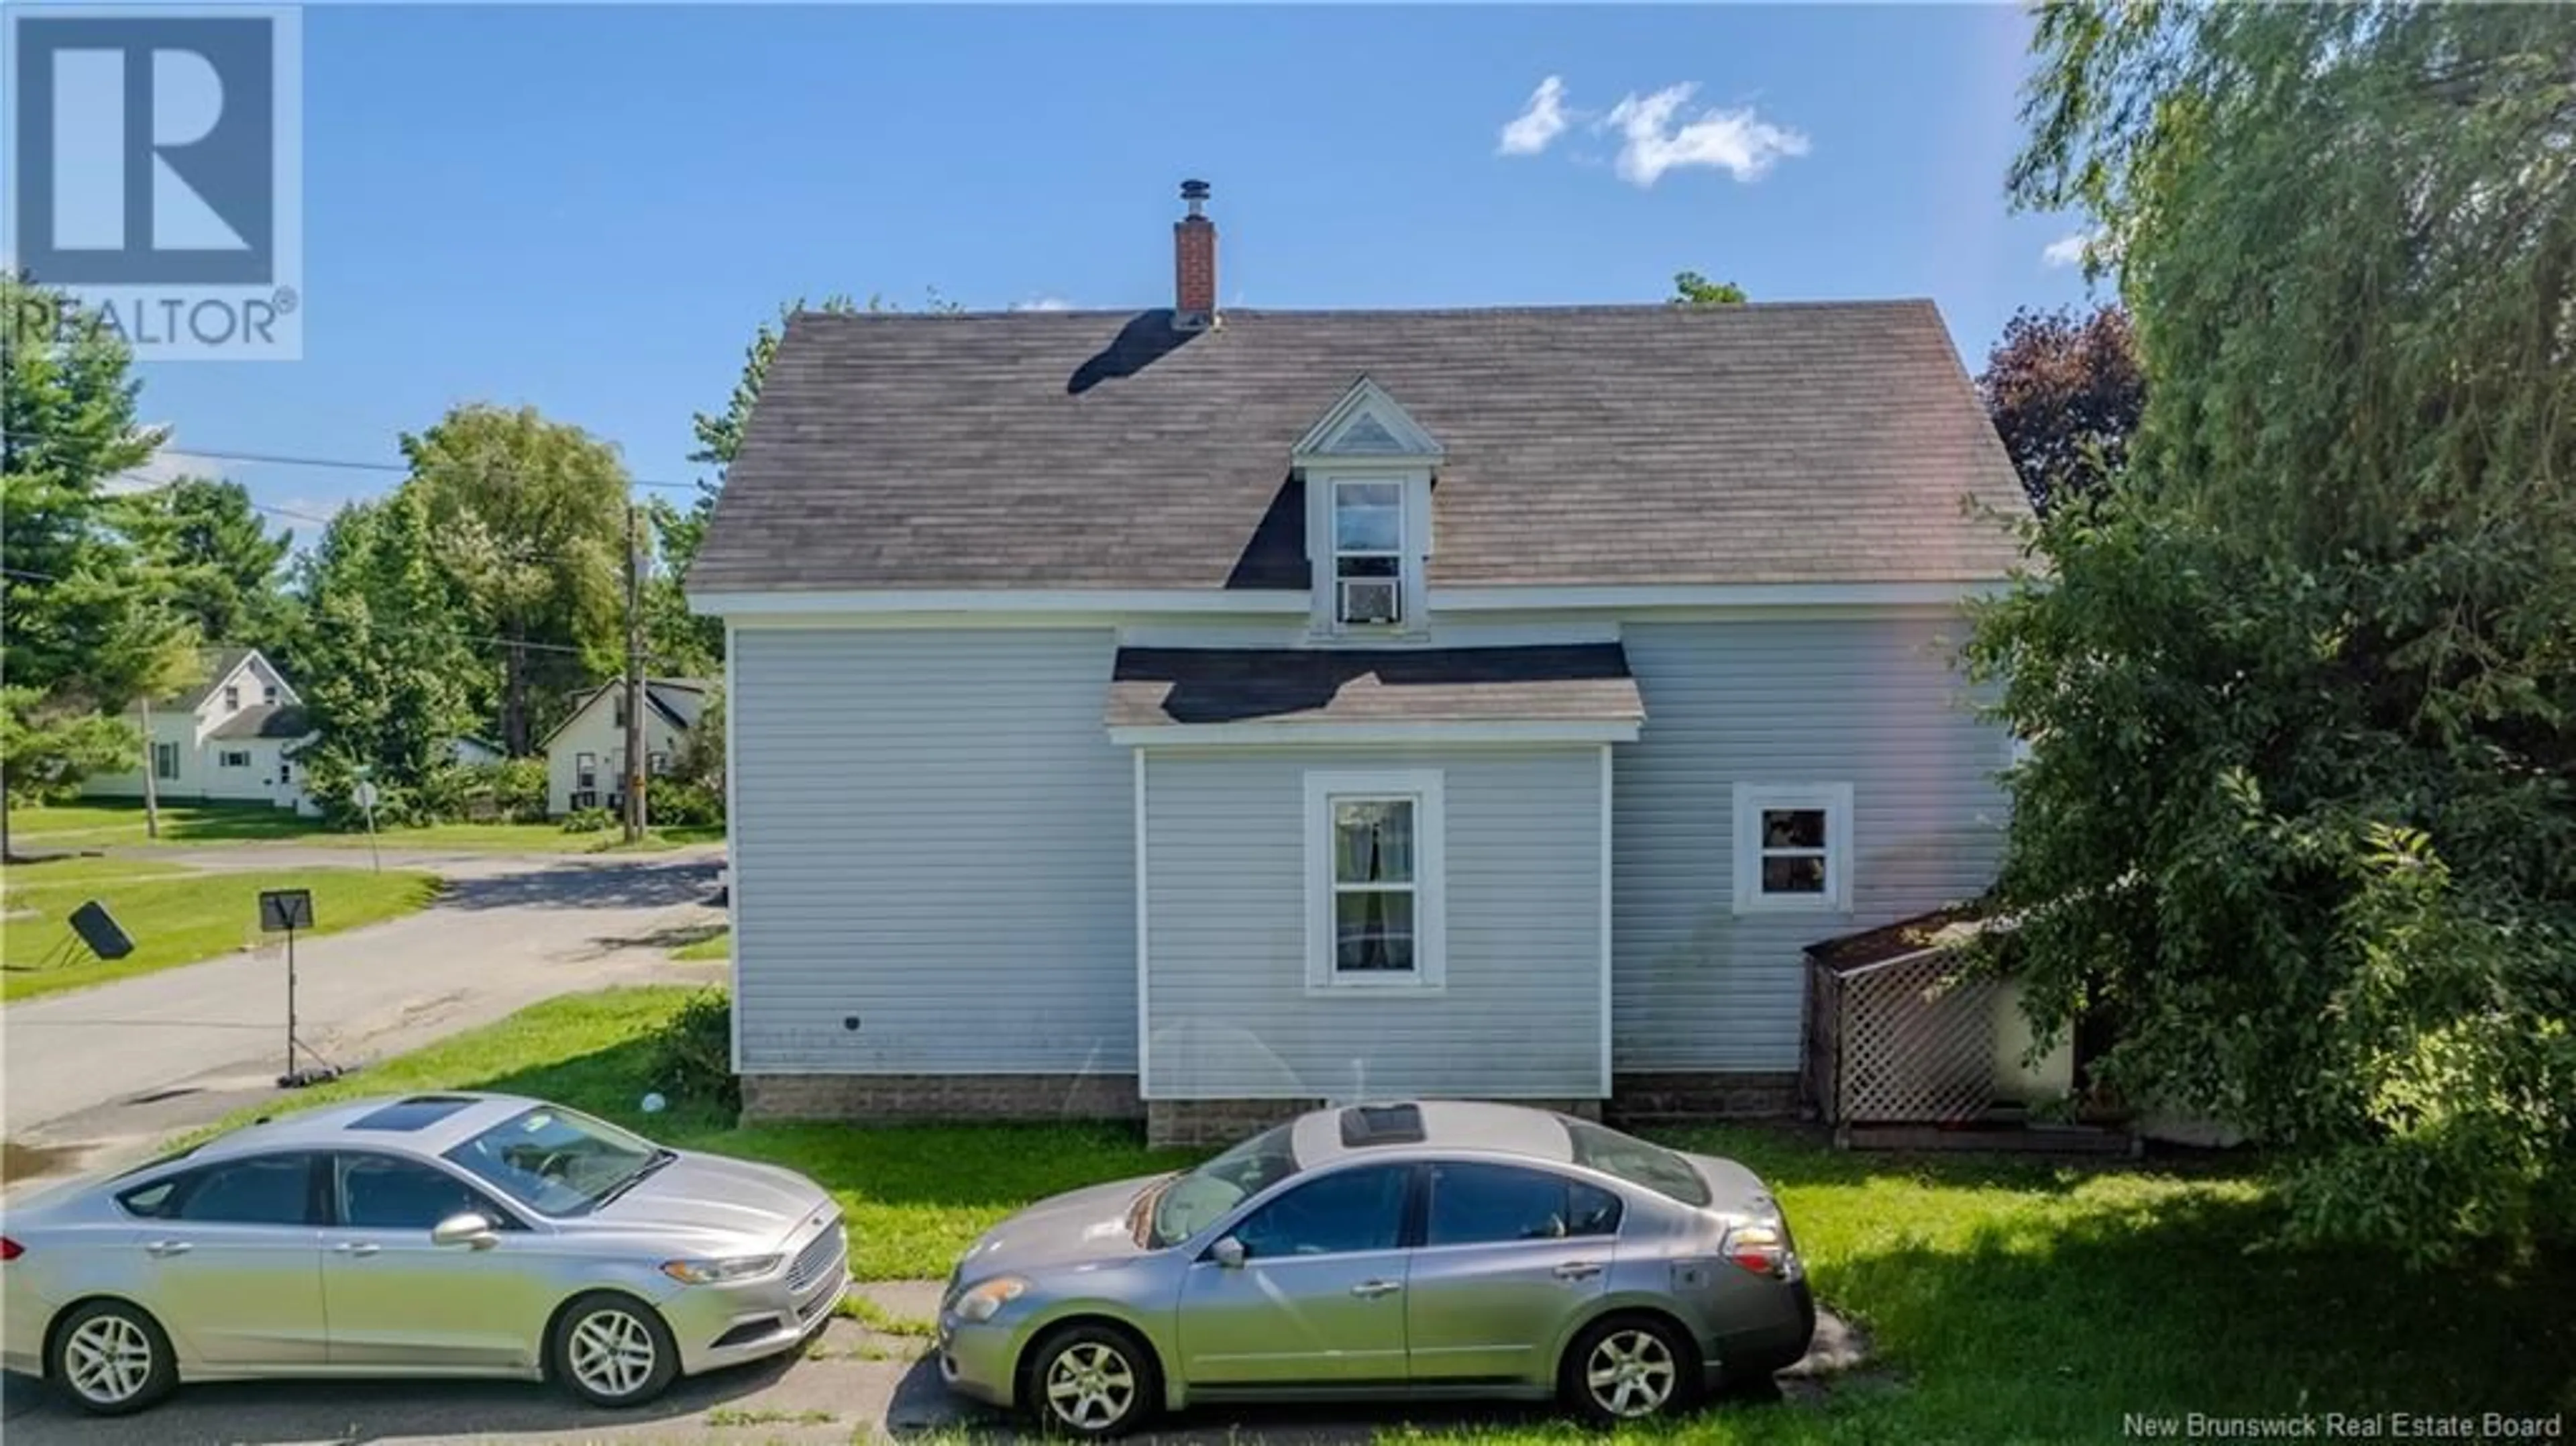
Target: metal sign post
[366, 794]
[285, 911]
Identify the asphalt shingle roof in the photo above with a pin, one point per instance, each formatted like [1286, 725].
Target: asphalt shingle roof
[1160, 687]
[1768, 443]
[266, 720]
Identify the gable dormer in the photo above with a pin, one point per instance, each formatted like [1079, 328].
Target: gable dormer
[1368, 467]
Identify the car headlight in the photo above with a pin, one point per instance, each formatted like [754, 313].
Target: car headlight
[716, 1272]
[989, 1296]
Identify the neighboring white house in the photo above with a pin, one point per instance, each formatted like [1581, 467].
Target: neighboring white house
[586, 754]
[227, 739]
[1199, 717]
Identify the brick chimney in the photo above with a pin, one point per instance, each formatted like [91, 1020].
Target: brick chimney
[1194, 263]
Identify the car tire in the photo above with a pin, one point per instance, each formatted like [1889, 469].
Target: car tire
[1090, 1381]
[1625, 1368]
[110, 1358]
[612, 1350]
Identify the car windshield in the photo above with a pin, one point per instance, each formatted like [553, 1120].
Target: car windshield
[1635, 1161]
[555, 1161]
[1195, 1198]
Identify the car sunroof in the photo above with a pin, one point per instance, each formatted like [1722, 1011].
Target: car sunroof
[1382, 1125]
[411, 1114]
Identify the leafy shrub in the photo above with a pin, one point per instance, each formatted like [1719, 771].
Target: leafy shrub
[589, 820]
[693, 1054]
[674, 802]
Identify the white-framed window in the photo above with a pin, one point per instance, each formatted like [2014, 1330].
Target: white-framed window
[232, 697]
[657, 764]
[165, 760]
[233, 758]
[1374, 880]
[1792, 847]
[585, 771]
[1368, 553]
[268, 692]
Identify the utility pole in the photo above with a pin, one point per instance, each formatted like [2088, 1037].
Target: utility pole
[634, 678]
[151, 774]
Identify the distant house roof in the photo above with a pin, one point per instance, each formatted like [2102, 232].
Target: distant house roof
[679, 700]
[218, 664]
[1170, 687]
[1764, 443]
[266, 720]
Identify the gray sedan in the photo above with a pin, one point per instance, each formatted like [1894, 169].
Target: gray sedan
[1425, 1250]
[437, 1235]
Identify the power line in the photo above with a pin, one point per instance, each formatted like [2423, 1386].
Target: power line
[20, 572]
[286, 459]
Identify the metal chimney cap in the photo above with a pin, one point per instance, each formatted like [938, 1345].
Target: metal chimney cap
[1194, 190]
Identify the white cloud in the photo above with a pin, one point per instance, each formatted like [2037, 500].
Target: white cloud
[1656, 139]
[1540, 122]
[1043, 303]
[2069, 250]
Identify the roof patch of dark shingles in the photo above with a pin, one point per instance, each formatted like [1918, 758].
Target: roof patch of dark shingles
[1155, 687]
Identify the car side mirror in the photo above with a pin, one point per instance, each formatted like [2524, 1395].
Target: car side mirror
[468, 1229]
[1228, 1253]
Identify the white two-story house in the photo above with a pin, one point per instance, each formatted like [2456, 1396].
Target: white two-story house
[1199, 715]
[229, 738]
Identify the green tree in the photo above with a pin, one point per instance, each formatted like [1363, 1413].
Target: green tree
[225, 568]
[2300, 817]
[85, 626]
[1692, 289]
[2064, 393]
[390, 685]
[531, 521]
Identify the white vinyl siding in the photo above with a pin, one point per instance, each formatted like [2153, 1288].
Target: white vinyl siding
[1868, 702]
[1229, 919]
[932, 835]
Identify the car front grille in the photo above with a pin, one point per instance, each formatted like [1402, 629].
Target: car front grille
[820, 1259]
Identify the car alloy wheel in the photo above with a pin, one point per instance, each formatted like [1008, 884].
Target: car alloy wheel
[613, 1350]
[1631, 1373]
[1090, 1387]
[112, 1358]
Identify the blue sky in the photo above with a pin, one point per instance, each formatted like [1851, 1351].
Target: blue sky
[587, 209]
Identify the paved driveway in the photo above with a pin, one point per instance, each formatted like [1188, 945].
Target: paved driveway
[118, 1066]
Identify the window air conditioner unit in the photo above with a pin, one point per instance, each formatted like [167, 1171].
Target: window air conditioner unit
[1370, 600]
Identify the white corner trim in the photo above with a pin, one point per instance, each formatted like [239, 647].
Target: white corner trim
[1042, 605]
[1430, 889]
[1144, 916]
[1254, 735]
[733, 860]
[1606, 771]
[1710, 595]
[1750, 801]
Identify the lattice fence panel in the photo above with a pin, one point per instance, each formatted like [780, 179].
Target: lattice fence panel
[1917, 1045]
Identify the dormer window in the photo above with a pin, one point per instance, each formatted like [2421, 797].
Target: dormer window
[1368, 553]
[1368, 468]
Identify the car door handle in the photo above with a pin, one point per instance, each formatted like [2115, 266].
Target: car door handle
[159, 1248]
[357, 1247]
[1578, 1270]
[1372, 1289]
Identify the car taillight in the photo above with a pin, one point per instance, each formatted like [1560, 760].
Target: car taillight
[1761, 1249]
[10, 1249]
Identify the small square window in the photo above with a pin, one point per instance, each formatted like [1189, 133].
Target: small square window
[1792, 847]
[232, 696]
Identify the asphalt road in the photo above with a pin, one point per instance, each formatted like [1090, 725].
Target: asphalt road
[126, 1062]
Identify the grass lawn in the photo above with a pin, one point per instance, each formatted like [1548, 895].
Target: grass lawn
[718, 945]
[174, 915]
[96, 823]
[2010, 1301]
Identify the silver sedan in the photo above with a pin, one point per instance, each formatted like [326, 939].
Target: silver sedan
[1424, 1250]
[435, 1235]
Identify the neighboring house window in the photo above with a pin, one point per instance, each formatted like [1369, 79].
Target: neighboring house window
[165, 760]
[657, 763]
[1374, 880]
[234, 758]
[585, 770]
[232, 697]
[268, 692]
[1792, 847]
[1368, 553]
[621, 707]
